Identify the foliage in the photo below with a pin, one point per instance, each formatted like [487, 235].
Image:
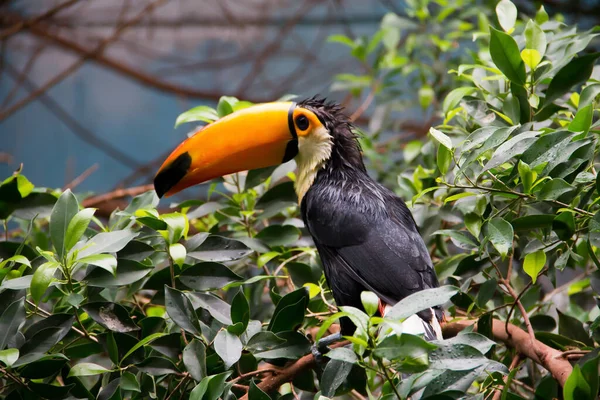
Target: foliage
[188, 302]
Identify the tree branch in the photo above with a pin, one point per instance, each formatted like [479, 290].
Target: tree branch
[516, 338]
[287, 374]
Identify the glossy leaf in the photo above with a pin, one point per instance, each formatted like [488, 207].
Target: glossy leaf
[576, 72]
[11, 320]
[112, 316]
[534, 263]
[77, 227]
[87, 369]
[42, 277]
[194, 359]
[501, 235]
[229, 347]
[180, 310]
[506, 56]
[207, 276]
[64, 210]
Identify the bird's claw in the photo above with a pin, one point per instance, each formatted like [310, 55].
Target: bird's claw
[320, 347]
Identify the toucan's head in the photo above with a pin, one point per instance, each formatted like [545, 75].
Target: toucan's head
[256, 137]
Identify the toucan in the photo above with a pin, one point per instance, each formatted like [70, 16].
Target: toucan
[365, 235]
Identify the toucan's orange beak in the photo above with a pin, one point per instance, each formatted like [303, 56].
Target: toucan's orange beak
[256, 137]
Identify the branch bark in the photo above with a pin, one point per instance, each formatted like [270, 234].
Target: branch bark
[287, 374]
[512, 336]
[518, 339]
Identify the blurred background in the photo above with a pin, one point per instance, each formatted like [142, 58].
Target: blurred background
[90, 89]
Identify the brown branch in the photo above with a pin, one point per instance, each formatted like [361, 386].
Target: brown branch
[288, 373]
[138, 75]
[17, 27]
[78, 129]
[82, 177]
[516, 338]
[116, 194]
[85, 56]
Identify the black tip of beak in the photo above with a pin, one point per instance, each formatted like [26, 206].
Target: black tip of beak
[169, 176]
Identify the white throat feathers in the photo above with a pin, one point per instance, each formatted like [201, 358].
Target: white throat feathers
[314, 150]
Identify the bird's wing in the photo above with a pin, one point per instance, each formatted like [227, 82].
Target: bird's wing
[381, 250]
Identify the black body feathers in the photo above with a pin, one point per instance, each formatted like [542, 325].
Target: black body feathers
[365, 234]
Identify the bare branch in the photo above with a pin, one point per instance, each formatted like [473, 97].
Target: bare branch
[516, 338]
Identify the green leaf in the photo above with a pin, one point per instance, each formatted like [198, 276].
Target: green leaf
[147, 340]
[107, 262]
[527, 176]
[112, 316]
[42, 277]
[534, 263]
[129, 382]
[194, 359]
[255, 393]
[128, 272]
[455, 96]
[343, 354]
[64, 210]
[531, 57]
[225, 105]
[257, 176]
[157, 366]
[9, 356]
[589, 94]
[582, 121]
[410, 351]
[107, 242]
[87, 369]
[511, 108]
[343, 39]
[473, 222]
[456, 357]
[229, 347]
[444, 158]
[553, 189]
[334, 375]
[590, 373]
[535, 38]
[370, 302]
[178, 253]
[575, 73]
[513, 147]
[180, 310]
[541, 16]
[240, 310]
[420, 301]
[501, 235]
[573, 329]
[506, 56]
[426, 96]
[208, 276]
[219, 249]
[200, 113]
[576, 387]
[441, 137]
[18, 259]
[211, 387]
[279, 235]
[77, 227]
[177, 226]
[507, 15]
[289, 313]
[289, 345]
[564, 225]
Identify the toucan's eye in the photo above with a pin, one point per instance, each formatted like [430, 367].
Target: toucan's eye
[302, 122]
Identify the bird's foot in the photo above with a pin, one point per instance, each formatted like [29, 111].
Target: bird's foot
[320, 347]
